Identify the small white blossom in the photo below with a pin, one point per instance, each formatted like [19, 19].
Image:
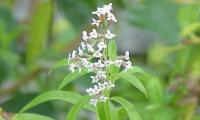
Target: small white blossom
[90, 48]
[85, 36]
[74, 54]
[72, 67]
[128, 65]
[90, 91]
[103, 98]
[111, 17]
[83, 46]
[118, 63]
[99, 64]
[102, 86]
[94, 102]
[99, 12]
[101, 75]
[94, 79]
[96, 89]
[84, 62]
[93, 34]
[108, 62]
[69, 57]
[97, 54]
[109, 35]
[101, 45]
[126, 55]
[80, 51]
[110, 85]
[108, 7]
[95, 22]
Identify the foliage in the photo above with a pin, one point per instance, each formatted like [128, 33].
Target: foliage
[164, 87]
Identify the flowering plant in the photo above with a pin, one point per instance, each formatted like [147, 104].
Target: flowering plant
[93, 55]
[97, 55]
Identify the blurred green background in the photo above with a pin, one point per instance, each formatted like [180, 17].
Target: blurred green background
[163, 37]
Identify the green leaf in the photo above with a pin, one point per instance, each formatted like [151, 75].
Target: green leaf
[38, 32]
[71, 77]
[121, 114]
[30, 116]
[136, 69]
[73, 113]
[55, 95]
[61, 63]
[101, 106]
[134, 81]
[118, 113]
[132, 113]
[155, 90]
[112, 49]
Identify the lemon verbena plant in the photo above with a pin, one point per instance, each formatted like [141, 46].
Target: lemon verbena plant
[97, 55]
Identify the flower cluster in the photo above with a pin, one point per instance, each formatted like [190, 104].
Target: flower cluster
[91, 54]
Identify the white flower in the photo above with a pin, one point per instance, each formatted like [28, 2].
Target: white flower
[110, 85]
[94, 79]
[72, 67]
[128, 65]
[126, 55]
[95, 22]
[94, 102]
[101, 75]
[90, 48]
[83, 46]
[96, 89]
[99, 64]
[108, 35]
[93, 34]
[107, 63]
[90, 91]
[118, 63]
[84, 36]
[111, 17]
[91, 67]
[108, 7]
[102, 86]
[97, 54]
[99, 12]
[74, 54]
[103, 98]
[101, 45]
[80, 51]
[69, 57]
[84, 62]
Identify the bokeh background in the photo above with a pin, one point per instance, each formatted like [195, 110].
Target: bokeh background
[163, 37]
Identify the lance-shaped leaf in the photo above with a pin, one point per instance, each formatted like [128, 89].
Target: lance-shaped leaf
[134, 81]
[61, 63]
[30, 116]
[56, 95]
[71, 77]
[73, 113]
[136, 69]
[112, 49]
[132, 113]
